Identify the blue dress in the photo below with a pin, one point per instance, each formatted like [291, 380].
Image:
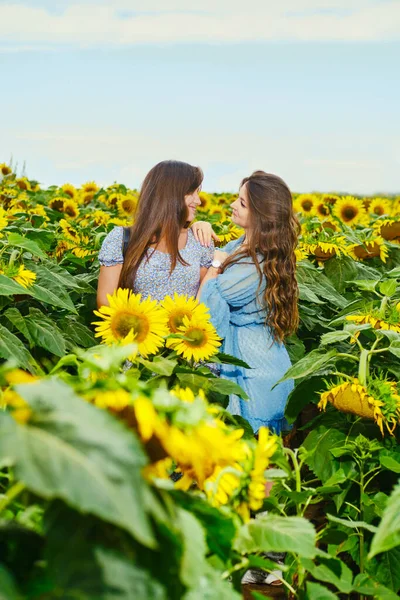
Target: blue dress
[153, 278]
[240, 320]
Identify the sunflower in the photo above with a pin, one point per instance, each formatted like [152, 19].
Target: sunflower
[69, 190]
[205, 200]
[322, 209]
[99, 217]
[200, 340]
[301, 253]
[378, 401]
[379, 207]
[115, 400]
[223, 484]
[389, 229]
[70, 209]
[57, 203]
[69, 232]
[90, 187]
[266, 447]
[3, 218]
[330, 198]
[306, 204]
[113, 199]
[370, 248]
[5, 169]
[129, 319]
[25, 277]
[21, 411]
[350, 211]
[181, 306]
[23, 183]
[392, 324]
[39, 210]
[127, 205]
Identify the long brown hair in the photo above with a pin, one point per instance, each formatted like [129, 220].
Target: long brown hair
[161, 214]
[274, 230]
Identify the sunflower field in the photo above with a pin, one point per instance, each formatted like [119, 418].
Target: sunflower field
[122, 475]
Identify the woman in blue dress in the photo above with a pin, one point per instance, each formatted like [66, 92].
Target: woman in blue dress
[163, 255]
[252, 296]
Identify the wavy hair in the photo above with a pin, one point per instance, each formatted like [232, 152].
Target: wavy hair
[273, 233]
[161, 214]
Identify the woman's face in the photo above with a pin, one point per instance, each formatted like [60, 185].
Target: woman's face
[240, 209]
[192, 201]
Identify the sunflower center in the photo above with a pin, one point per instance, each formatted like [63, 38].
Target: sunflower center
[197, 337]
[57, 205]
[349, 212]
[378, 210]
[123, 323]
[176, 320]
[307, 205]
[323, 210]
[70, 211]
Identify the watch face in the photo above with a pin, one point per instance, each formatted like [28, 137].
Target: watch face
[216, 264]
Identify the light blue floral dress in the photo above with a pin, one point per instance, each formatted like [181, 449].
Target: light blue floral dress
[239, 318]
[153, 277]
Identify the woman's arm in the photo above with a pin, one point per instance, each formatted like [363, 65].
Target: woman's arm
[108, 283]
[212, 272]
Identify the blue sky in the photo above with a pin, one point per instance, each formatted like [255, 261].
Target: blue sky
[308, 91]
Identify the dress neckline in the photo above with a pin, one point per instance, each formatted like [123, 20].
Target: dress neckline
[185, 247]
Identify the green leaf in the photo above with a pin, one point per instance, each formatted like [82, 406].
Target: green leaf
[387, 569]
[364, 584]
[367, 285]
[388, 533]
[315, 591]
[390, 460]
[60, 298]
[9, 287]
[334, 336]
[352, 524]
[126, 580]
[78, 332]
[160, 365]
[11, 347]
[44, 332]
[305, 293]
[225, 386]
[212, 587]
[388, 287]
[331, 570]
[8, 590]
[193, 562]
[19, 241]
[83, 455]
[227, 359]
[305, 392]
[271, 533]
[311, 363]
[15, 317]
[319, 443]
[339, 271]
[54, 275]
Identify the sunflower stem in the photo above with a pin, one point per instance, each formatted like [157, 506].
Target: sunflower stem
[12, 493]
[14, 254]
[344, 355]
[382, 308]
[363, 368]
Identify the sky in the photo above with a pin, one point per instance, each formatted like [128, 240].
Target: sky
[306, 89]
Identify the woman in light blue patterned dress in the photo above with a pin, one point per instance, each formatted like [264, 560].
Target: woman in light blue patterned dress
[163, 255]
[253, 298]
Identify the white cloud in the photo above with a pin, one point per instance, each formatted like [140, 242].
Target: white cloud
[80, 155]
[124, 22]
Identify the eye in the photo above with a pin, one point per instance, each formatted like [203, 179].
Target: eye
[243, 204]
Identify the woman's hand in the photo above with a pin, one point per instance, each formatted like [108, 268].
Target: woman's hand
[203, 232]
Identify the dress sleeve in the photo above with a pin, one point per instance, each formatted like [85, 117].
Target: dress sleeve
[236, 287]
[207, 255]
[111, 250]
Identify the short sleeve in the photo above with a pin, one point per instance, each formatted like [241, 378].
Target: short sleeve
[207, 255]
[238, 285]
[111, 250]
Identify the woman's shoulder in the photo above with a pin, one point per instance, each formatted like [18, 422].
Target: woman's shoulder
[233, 245]
[111, 249]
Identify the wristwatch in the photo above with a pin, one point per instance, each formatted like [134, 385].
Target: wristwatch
[216, 264]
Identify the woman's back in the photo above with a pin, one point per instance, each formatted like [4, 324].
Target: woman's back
[153, 277]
